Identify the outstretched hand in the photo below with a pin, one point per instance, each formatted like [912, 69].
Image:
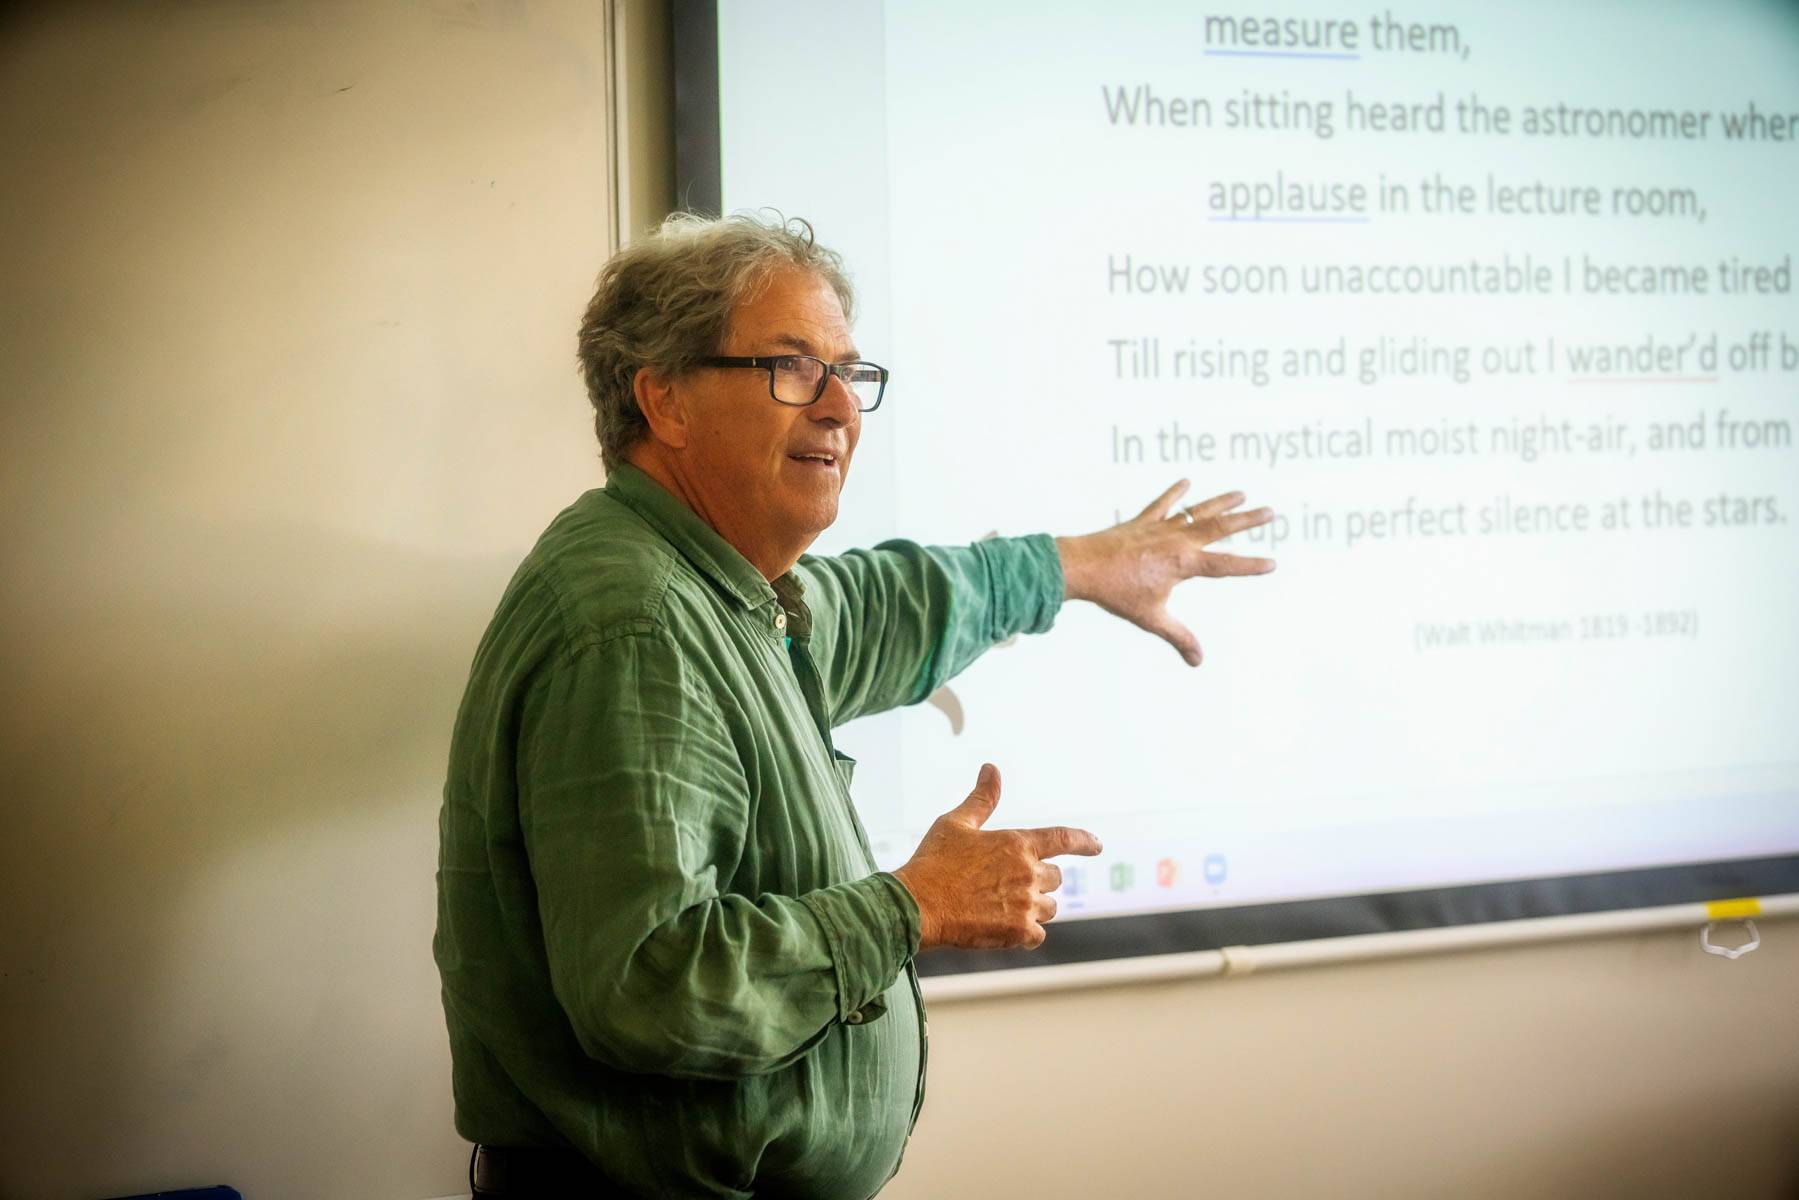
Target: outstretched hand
[1130, 569]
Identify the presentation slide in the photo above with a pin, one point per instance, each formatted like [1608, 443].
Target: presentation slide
[1492, 304]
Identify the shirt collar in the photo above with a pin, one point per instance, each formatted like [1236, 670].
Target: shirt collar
[691, 537]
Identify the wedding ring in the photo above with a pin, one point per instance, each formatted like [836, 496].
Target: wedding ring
[1188, 513]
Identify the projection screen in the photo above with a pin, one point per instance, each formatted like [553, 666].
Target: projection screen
[1493, 305]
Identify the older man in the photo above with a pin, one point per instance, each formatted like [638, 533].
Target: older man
[670, 966]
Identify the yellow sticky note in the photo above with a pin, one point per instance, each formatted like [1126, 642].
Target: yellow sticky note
[1733, 910]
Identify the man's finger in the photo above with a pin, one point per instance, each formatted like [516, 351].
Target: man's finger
[1061, 839]
[1226, 524]
[1158, 508]
[981, 802]
[1219, 565]
[1216, 505]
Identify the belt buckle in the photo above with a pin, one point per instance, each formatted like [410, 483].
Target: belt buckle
[489, 1172]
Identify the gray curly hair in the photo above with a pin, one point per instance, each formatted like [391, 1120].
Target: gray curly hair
[666, 301]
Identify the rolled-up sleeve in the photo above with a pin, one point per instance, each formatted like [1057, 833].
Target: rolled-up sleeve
[897, 622]
[634, 806]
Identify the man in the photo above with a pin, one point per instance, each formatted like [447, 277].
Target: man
[670, 966]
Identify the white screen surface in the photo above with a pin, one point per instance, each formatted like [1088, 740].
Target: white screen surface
[1524, 403]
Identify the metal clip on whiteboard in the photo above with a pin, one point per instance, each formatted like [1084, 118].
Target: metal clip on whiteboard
[1732, 952]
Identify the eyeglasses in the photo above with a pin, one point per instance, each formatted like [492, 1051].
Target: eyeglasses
[800, 379]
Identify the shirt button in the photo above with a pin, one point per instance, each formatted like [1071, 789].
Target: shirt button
[854, 1018]
[780, 620]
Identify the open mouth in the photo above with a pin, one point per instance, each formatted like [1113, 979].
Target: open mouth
[825, 460]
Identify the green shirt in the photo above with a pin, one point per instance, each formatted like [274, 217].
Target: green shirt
[662, 937]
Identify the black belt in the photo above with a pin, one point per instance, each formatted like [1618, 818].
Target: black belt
[529, 1172]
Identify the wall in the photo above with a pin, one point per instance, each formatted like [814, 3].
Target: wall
[1632, 1067]
[288, 335]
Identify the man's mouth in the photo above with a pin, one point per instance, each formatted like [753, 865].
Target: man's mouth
[817, 456]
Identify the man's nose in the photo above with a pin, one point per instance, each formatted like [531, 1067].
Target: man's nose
[838, 403]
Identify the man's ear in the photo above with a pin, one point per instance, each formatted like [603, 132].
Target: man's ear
[662, 408]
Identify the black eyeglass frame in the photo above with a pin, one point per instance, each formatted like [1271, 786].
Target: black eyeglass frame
[767, 362]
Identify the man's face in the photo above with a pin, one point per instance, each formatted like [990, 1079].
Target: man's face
[753, 460]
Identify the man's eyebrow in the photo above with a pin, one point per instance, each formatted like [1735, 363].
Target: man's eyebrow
[800, 345]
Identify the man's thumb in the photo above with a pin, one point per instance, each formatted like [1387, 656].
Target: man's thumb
[1176, 635]
[983, 800]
